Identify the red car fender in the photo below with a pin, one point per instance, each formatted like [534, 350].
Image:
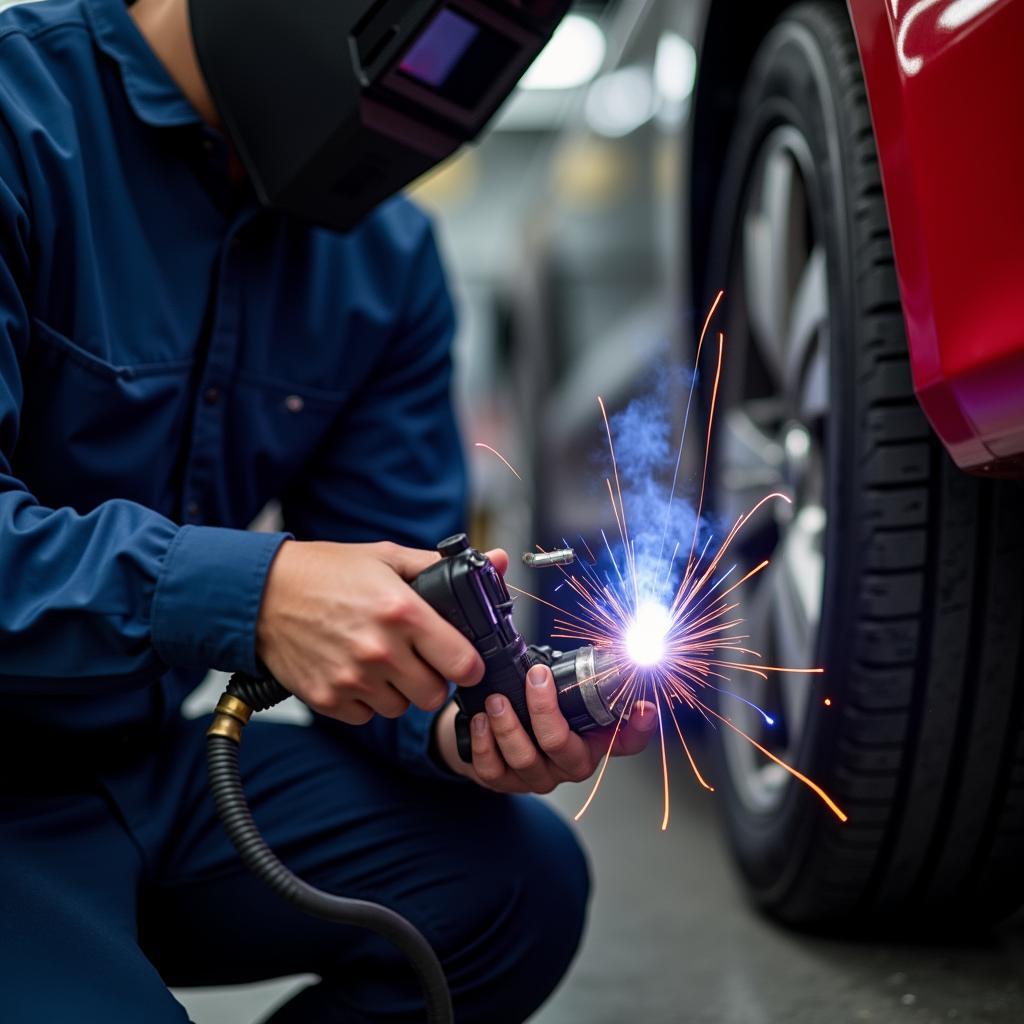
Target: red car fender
[945, 82]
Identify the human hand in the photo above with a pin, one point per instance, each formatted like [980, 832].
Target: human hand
[505, 759]
[341, 628]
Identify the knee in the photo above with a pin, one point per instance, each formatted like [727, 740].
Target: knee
[530, 891]
[549, 874]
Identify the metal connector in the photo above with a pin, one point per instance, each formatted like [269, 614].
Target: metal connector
[230, 718]
[546, 559]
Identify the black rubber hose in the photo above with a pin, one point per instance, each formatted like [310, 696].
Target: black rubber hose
[226, 786]
[258, 693]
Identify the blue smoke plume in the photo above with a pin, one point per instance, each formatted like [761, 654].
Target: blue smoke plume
[646, 435]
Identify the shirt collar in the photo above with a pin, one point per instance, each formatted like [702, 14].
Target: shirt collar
[152, 93]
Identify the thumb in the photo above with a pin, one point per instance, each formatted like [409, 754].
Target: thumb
[407, 562]
[500, 560]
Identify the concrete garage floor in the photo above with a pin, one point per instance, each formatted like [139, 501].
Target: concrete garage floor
[671, 940]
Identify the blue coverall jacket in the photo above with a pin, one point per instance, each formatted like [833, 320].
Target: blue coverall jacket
[172, 358]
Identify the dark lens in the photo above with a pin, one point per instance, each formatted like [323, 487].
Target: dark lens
[444, 42]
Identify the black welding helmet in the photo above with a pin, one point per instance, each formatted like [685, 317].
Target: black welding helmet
[334, 105]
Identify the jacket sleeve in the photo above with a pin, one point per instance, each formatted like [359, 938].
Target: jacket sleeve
[393, 467]
[100, 600]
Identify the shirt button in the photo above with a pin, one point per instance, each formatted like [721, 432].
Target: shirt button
[211, 396]
[192, 509]
[208, 146]
[294, 403]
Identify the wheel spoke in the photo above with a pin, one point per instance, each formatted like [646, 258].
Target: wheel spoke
[750, 463]
[773, 234]
[807, 318]
[813, 401]
[752, 459]
[758, 284]
[789, 626]
[798, 574]
[758, 615]
[796, 697]
[796, 587]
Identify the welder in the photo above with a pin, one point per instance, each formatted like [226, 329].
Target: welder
[210, 299]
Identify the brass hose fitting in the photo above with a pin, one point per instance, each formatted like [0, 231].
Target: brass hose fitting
[230, 718]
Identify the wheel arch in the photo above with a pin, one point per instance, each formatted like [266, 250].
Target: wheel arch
[733, 30]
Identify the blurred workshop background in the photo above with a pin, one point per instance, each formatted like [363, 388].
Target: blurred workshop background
[555, 232]
[561, 231]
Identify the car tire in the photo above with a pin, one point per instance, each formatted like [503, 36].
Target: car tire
[917, 568]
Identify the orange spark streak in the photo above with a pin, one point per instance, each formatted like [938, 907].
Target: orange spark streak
[813, 786]
[495, 452]
[664, 761]
[775, 495]
[707, 323]
[772, 668]
[672, 561]
[590, 554]
[618, 488]
[597, 678]
[691, 590]
[579, 631]
[702, 628]
[534, 597]
[707, 446]
[596, 628]
[582, 588]
[689, 756]
[617, 696]
[688, 625]
[604, 768]
[686, 421]
[750, 575]
[615, 509]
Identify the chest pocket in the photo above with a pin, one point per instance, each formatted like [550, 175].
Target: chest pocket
[281, 426]
[91, 430]
[161, 435]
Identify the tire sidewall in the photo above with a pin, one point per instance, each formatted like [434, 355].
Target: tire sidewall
[791, 83]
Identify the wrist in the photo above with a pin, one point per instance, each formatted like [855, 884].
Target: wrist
[444, 745]
[275, 582]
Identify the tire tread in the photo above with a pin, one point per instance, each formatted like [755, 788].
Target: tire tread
[927, 751]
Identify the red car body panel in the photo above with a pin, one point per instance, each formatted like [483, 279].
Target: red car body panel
[945, 83]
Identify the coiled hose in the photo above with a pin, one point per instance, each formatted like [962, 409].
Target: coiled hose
[243, 696]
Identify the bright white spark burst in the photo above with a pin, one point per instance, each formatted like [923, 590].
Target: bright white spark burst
[675, 653]
[646, 635]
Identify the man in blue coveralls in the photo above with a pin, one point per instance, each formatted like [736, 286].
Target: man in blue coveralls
[173, 356]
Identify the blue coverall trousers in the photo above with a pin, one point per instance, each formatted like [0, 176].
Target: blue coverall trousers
[103, 907]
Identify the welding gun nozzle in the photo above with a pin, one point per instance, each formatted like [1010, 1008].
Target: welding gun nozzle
[590, 684]
[544, 559]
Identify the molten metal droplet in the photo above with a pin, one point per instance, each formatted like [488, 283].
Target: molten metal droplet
[645, 638]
